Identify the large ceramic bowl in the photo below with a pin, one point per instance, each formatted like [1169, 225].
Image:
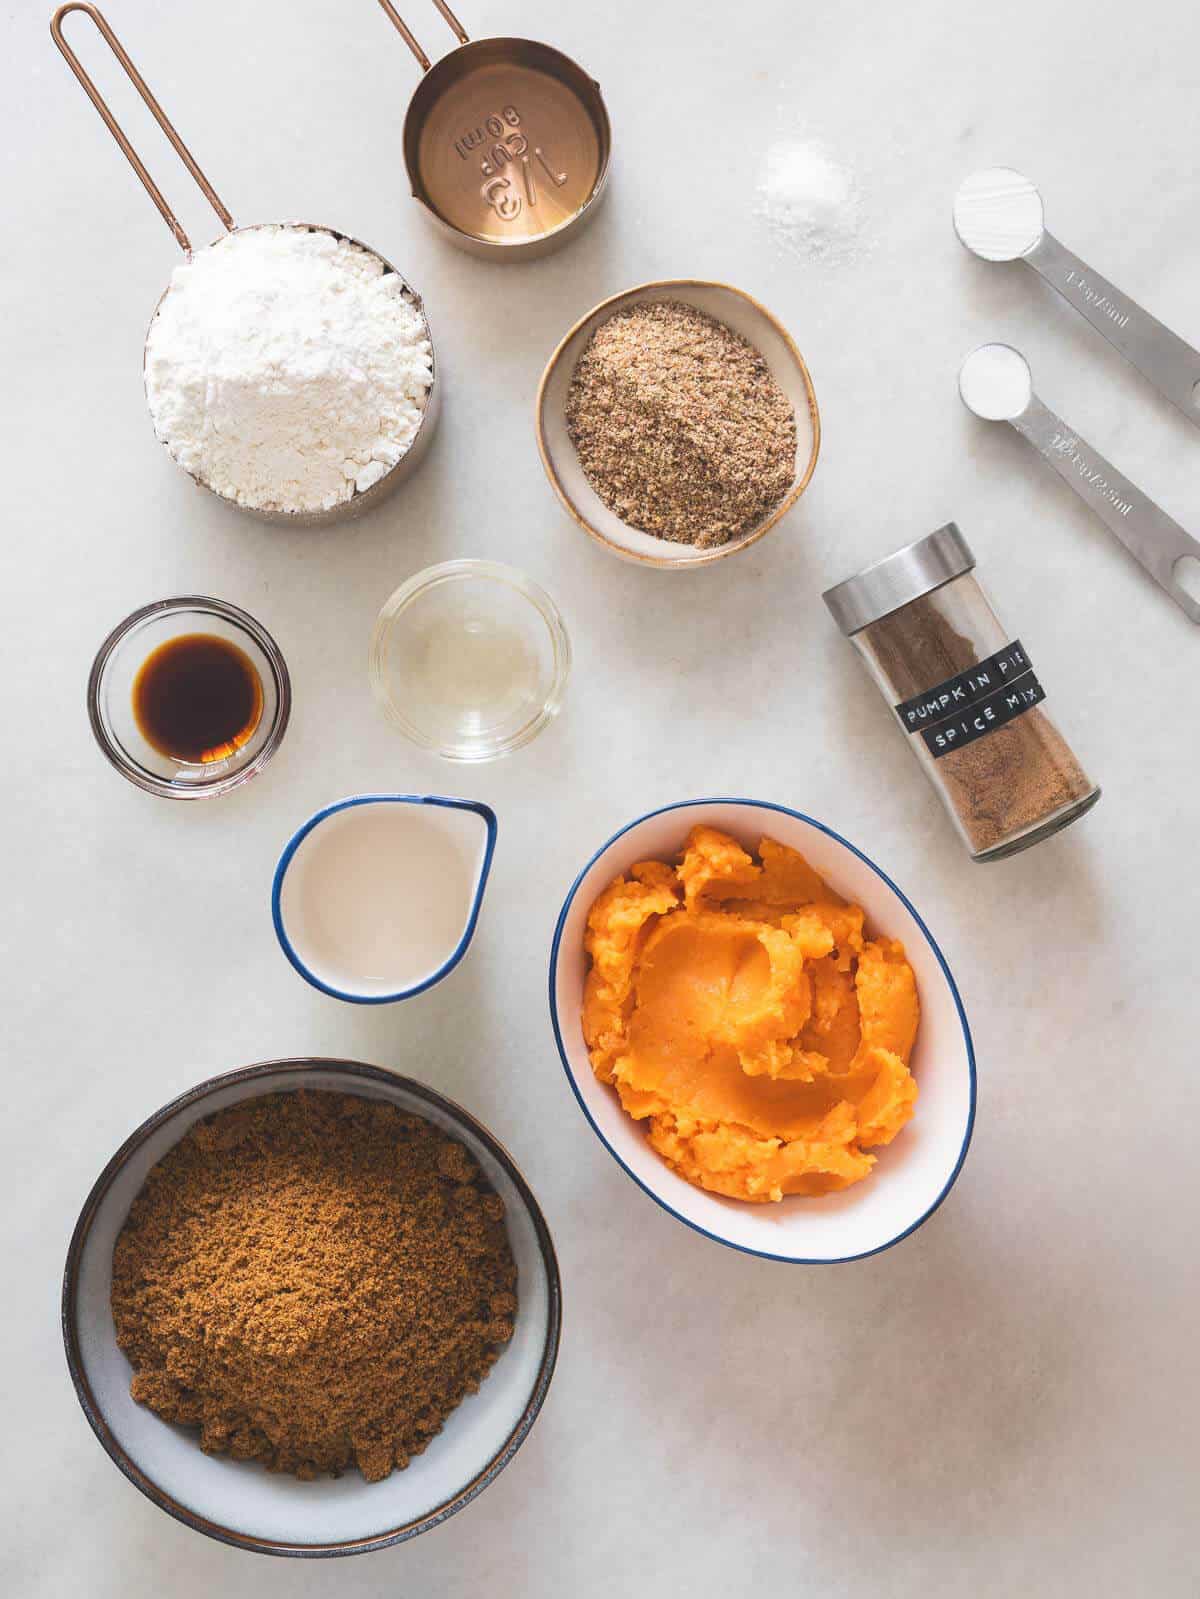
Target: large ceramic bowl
[238, 1501]
[914, 1173]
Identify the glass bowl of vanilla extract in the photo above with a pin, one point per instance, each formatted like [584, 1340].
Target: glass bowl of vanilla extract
[189, 697]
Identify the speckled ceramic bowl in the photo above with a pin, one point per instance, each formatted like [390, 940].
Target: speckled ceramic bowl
[239, 1502]
[737, 310]
[915, 1172]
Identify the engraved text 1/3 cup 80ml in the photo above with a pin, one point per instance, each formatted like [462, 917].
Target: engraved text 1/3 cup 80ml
[966, 695]
[506, 141]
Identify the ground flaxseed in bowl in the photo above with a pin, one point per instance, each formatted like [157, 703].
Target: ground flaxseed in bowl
[315, 1281]
[679, 426]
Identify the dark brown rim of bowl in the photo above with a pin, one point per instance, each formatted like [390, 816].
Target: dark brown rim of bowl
[613, 304]
[352, 1070]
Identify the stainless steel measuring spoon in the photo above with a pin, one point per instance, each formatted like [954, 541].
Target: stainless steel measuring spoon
[998, 216]
[996, 384]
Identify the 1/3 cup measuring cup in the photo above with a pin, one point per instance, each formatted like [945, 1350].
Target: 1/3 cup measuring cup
[358, 502]
[506, 141]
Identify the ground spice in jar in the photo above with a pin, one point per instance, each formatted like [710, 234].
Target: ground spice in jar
[1002, 784]
[314, 1281]
[966, 693]
[679, 426]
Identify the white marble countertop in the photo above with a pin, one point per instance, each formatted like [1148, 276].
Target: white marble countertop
[1000, 1404]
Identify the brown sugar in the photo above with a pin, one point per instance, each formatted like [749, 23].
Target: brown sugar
[314, 1281]
[679, 426]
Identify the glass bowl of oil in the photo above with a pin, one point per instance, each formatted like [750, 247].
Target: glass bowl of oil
[189, 697]
[470, 659]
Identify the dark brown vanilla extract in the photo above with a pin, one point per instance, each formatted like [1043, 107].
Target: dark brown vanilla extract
[197, 698]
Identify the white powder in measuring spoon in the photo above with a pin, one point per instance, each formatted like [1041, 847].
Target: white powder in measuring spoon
[287, 369]
[812, 205]
[995, 382]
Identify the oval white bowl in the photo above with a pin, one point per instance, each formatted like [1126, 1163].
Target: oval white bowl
[238, 1501]
[914, 1173]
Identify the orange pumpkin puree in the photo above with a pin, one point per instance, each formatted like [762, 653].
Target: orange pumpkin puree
[739, 1011]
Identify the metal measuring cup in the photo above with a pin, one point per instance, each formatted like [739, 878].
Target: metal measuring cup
[395, 475]
[507, 143]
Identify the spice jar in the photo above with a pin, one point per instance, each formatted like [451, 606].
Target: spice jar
[966, 693]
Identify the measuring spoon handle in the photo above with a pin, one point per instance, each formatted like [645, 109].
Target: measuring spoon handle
[1147, 532]
[1168, 361]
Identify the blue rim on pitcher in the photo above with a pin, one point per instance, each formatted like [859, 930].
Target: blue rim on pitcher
[488, 817]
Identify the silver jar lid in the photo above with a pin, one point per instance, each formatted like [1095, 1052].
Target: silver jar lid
[898, 579]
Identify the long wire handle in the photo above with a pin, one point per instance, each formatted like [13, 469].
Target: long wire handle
[455, 25]
[156, 111]
[406, 33]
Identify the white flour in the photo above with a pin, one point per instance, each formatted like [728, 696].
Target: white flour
[812, 206]
[286, 369]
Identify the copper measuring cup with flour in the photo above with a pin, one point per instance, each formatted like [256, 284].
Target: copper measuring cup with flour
[507, 143]
[396, 474]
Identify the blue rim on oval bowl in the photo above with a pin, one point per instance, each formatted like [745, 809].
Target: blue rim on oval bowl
[914, 1173]
[464, 831]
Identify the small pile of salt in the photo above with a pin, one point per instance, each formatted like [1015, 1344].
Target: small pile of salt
[811, 205]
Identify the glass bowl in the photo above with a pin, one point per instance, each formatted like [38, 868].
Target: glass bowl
[110, 697]
[470, 659]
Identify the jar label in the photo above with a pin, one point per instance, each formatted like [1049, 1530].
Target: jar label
[976, 701]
